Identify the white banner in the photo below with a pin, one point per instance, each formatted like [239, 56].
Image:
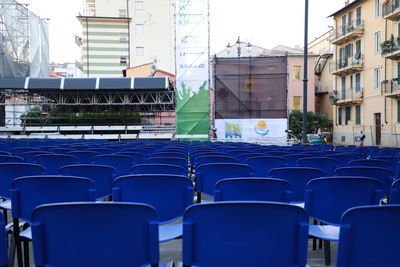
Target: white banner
[252, 129]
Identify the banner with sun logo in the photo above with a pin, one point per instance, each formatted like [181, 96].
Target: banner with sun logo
[265, 129]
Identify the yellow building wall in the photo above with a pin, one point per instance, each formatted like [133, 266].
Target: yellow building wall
[140, 71]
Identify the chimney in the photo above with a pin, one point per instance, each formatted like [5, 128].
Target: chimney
[346, 3]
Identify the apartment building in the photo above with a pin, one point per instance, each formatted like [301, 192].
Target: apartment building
[366, 69]
[120, 34]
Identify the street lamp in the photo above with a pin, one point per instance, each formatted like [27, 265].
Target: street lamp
[248, 48]
[228, 48]
[239, 48]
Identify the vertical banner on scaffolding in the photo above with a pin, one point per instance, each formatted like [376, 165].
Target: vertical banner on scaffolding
[192, 50]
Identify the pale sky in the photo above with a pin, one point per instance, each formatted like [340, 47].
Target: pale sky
[265, 23]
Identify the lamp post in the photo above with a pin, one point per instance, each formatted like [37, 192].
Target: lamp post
[305, 78]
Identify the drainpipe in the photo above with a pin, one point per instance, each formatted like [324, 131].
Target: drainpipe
[385, 111]
[87, 42]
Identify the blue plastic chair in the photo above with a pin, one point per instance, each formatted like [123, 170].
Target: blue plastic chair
[393, 160]
[171, 161]
[5, 153]
[383, 175]
[328, 165]
[6, 159]
[258, 236]
[342, 149]
[344, 158]
[150, 168]
[368, 237]
[60, 150]
[84, 157]
[31, 191]
[3, 243]
[62, 230]
[262, 165]
[180, 155]
[121, 163]
[53, 162]
[298, 177]
[242, 158]
[137, 156]
[276, 153]
[101, 175]
[371, 163]
[17, 151]
[214, 159]
[293, 158]
[328, 198]
[208, 175]
[395, 193]
[103, 151]
[389, 152]
[253, 189]
[169, 195]
[29, 157]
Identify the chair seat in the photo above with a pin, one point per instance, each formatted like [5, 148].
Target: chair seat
[27, 233]
[6, 205]
[325, 232]
[169, 232]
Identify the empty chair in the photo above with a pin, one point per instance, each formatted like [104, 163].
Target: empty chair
[363, 230]
[395, 193]
[138, 157]
[17, 151]
[169, 195]
[371, 163]
[53, 162]
[121, 163]
[328, 165]
[259, 235]
[342, 149]
[344, 158]
[5, 159]
[60, 150]
[84, 157]
[314, 153]
[393, 160]
[214, 159]
[242, 158]
[389, 152]
[46, 148]
[172, 161]
[5, 153]
[293, 158]
[153, 168]
[130, 230]
[208, 175]
[276, 153]
[181, 155]
[3, 243]
[253, 189]
[328, 198]
[262, 165]
[103, 151]
[101, 175]
[298, 178]
[29, 157]
[383, 175]
[327, 147]
[236, 153]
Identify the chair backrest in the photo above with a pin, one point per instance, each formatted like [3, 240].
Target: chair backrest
[393, 160]
[328, 165]
[276, 153]
[31, 191]
[172, 161]
[10, 171]
[293, 158]
[17, 151]
[3, 242]
[6, 159]
[154, 168]
[328, 198]
[29, 157]
[84, 157]
[395, 193]
[137, 156]
[124, 234]
[53, 162]
[121, 163]
[101, 175]
[5, 153]
[208, 175]
[390, 152]
[298, 177]
[383, 175]
[363, 230]
[344, 158]
[258, 236]
[253, 189]
[242, 158]
[103, 151]
[170, 195]
[214, 159]
[181, 155]
[60, 150]
[262, 165]
[371, 163]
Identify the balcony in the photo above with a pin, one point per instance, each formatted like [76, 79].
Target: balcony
[348, 32]
[347, 96]
[391, 49]
[391, 88]
[347, 67]
[391, 10]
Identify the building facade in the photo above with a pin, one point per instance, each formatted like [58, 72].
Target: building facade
[120, 34]
[366, 69]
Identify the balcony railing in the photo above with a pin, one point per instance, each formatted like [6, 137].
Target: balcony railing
[391, 88]
[348, 66]
[391, 10]
[348, 31]
[349, 96]
[391, 49]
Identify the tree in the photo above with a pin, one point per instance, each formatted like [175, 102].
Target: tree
[315, 121]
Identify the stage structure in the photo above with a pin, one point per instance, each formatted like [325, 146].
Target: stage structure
[91, 104]
[250, 100]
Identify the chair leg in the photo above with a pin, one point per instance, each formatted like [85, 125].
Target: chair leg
[320, 240]
[11, 253]
[5, 216]
[198, 197]
[17, 241]
[26, 253]
[327, 250]
[314, 243]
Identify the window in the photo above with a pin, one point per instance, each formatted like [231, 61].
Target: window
[398, 111]
[378, 10]
[343, 88]
[123, 61]
[377, 78]
[347, 115]
[296, 102]
[139, 51]
[358, 14]
[351, 82]
[350, 19]
[296, 72]
[123, 13]
[377, 44]
[139, 28]
[139, 5]
[344, 26]
[123, 37]
[340, 116]
[358, 115]
[358, 82]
